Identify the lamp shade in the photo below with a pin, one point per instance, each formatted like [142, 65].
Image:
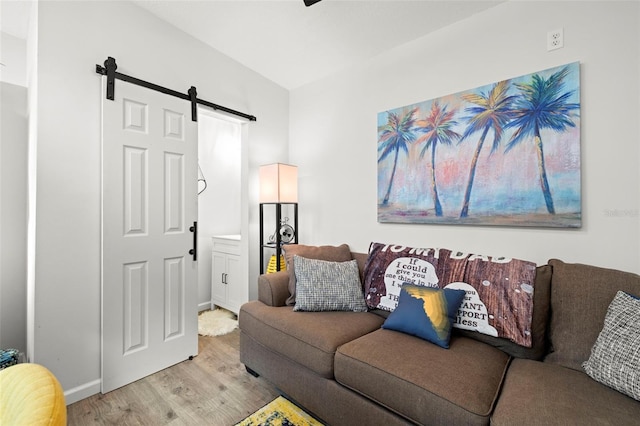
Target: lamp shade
[278, 183]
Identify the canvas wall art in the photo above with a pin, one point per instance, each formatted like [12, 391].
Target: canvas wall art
[506, 153]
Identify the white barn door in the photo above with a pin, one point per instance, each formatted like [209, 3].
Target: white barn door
[149, 204]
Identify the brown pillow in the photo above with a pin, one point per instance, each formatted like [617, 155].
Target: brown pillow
[340, 253]
[539, 322]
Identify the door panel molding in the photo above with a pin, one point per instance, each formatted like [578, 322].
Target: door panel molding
[149, 201]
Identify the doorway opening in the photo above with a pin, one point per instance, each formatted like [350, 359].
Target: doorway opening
[220, 189]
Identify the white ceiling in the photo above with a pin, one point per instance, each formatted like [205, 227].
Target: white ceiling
[287, 42]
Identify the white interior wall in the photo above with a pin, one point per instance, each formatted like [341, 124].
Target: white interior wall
[333, 136]
[32, 159]
[13, 190]
[71, 38]
[13, 56]
[13, 216]
[220, 160]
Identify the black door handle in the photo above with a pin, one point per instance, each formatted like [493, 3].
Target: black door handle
[194, 250]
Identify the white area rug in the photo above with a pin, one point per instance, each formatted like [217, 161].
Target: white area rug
[216, 322]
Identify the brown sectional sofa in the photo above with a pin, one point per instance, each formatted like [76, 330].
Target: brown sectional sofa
[346, 370]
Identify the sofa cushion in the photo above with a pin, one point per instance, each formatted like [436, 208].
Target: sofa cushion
[332, 253]
[327, 286]
[308, 338]
[539, 323]
[425, 312]
[615, 358]
[361, 259]
[580, 296]
[543, 394]
[414, 377]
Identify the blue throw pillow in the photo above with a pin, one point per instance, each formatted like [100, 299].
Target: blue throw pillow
[426, 312]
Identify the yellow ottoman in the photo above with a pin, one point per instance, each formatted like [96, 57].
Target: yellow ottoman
[31, 395]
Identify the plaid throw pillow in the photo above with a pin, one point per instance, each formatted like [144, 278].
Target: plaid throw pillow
[327, 286]
[615, 357]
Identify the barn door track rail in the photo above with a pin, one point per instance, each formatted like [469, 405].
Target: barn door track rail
[109, 70]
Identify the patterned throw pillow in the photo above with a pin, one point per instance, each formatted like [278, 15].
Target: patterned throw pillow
[327, 286]
[500, 290]
[615, 357]
[426, 312]
[341, 253]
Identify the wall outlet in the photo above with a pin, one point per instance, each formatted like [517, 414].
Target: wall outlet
[555, 39]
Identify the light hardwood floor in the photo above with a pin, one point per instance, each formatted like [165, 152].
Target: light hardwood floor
[212, 389]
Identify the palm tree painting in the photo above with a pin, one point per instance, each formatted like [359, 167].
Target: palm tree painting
[530, 175]
[490, 112]
[436, 128]
[544, 104]
[396, 136]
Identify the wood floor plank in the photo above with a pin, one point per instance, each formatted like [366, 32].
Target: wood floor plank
[211, 389]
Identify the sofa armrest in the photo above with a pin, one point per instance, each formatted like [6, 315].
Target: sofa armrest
[273, 289]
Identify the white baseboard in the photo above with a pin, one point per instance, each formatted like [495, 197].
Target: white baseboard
[81, 392]
[88, 389]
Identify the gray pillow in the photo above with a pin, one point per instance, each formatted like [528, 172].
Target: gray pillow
[615, 357]
[340, 253]
[327, 286]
